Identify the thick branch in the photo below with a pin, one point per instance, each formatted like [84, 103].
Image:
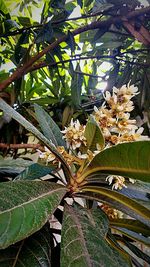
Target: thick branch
[94, 25]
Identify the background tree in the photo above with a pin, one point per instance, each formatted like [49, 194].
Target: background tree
[64, 63]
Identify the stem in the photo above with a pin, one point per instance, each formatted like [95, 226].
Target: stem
[20, 146]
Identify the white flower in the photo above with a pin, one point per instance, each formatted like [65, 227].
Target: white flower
[48, 156]
[118, 181]
[74, 134]
[132, 180]
[137, 134]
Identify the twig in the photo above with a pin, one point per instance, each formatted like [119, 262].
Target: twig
[21, 146]
[90, 75]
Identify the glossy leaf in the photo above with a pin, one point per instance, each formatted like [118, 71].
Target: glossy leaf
[93, 135]
[35, 171]
[127, 159]
[49, 127]
[26, 210]
[142, 213]
[34, 251]
[83, 240]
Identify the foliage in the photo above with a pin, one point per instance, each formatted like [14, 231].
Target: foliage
[63, 62]
[93, 170]
[99, 225]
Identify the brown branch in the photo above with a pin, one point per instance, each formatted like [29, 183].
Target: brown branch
[44, 64]
[94, 25]
[21, 146]
[89, 74]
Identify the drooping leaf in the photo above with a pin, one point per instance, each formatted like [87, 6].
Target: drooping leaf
[132, 225]
[34, 251]
[142, 213]
[26, 210]
[127, 159]
[49, 127]
[34, 171]
[93, 135]
[83, 240]
[135, 236]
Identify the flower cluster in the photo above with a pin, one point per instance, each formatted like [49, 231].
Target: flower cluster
[111, 212]
[113, 117]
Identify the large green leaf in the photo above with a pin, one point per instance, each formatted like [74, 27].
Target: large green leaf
[15, 115]
[127, 159]
[34, 171]
[83, 240]
[49, 127]
[34, 251]
[93, 135]
[138, 211]
[25, 207]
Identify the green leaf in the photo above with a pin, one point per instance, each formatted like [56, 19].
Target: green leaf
[83, 240]
[76, 87]
[135, 236]
[142, 213]
[112, 203]
[3, 7]
[34, 251]
[26, 210]
[132, 225]
[71, 42]
[24, 21]
[93, 135]
[35, 171]
[15, 164]
[49, 127]
[45, 34]
[139, 253]
[100, 33]
[127, 159]
[48, 100]
[15, 115]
